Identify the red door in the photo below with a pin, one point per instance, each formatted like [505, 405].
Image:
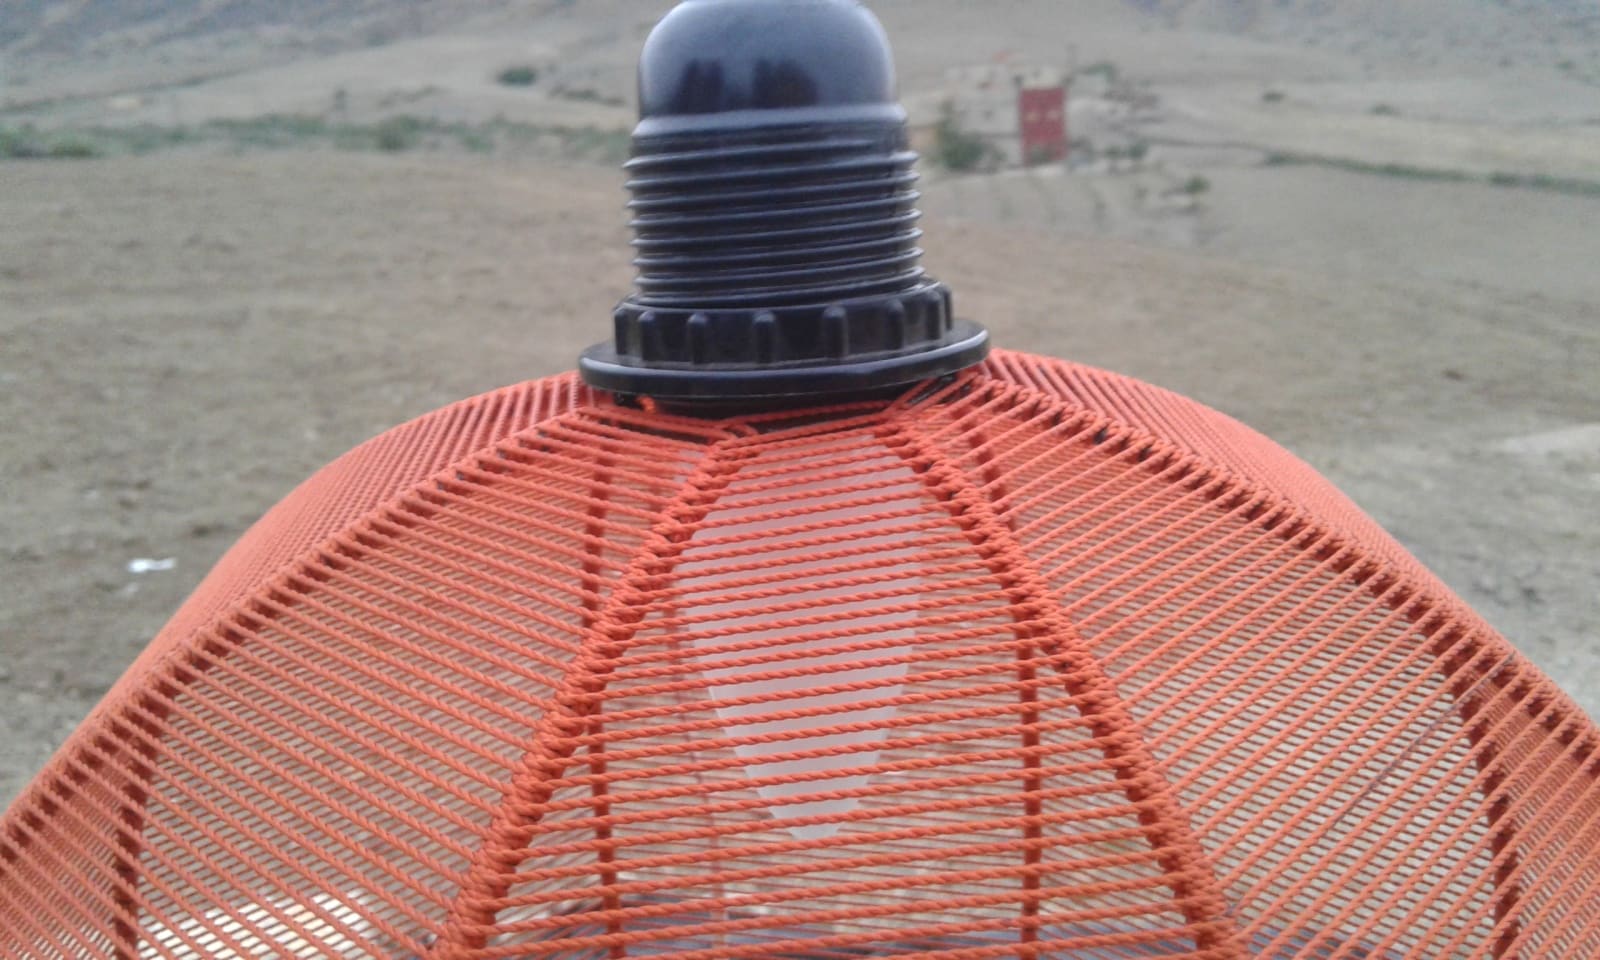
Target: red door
[1043, 112]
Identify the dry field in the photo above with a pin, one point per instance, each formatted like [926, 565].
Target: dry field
[185, 335]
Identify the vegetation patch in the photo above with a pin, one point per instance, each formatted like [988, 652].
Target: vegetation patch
[1573, 186]
[395, 134]
[27, 143]
[1540, 181]
[518, 76]
[589, 95]
[957, 149]
[1398, 170]
[398, 133]
[1136, 151]
[73, 148]
[270, 131]
[1101, 68]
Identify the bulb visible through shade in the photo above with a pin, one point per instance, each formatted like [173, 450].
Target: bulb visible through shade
[846, 682]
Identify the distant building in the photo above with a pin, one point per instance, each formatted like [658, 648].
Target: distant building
[1020, 111]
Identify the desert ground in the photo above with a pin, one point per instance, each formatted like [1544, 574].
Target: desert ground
[1369, 232]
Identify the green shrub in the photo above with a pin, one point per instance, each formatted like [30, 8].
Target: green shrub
[1102, 68]
[956, 149]
[1273, 96]
[589, 95]
[1384, 110]
[20, 144]
[398, 134]
[27, 143]
[519, 76]
[73, 148]
[1196, 185]
[476, 141]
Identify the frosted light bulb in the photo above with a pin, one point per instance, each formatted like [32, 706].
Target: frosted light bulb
[873, 681]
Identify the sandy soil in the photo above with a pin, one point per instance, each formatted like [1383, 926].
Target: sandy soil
[186, 336]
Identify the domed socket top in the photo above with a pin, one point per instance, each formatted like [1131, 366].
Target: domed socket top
[774, 215]
[726, 56]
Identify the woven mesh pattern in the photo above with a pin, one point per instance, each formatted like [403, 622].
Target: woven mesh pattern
[1042, 663]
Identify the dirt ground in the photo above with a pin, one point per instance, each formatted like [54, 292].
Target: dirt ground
[1321, 241]
[183, 338]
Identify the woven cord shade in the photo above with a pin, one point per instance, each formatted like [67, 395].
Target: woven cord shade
[797, 630]
[1039, 662]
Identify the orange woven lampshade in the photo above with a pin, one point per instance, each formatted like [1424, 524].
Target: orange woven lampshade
[1026, 660]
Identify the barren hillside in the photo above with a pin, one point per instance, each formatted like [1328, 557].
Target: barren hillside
[83, 27]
